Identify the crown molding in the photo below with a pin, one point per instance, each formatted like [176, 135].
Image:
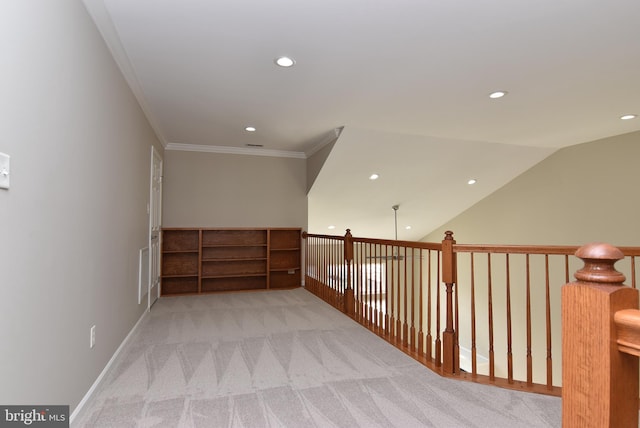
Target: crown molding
[235, 150]
[329, 138]
[99, 12]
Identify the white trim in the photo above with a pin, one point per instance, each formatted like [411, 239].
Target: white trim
[329, 139]
[235, 150]
[141, 264]
[101, 16]
[482, 362]
[97, 382]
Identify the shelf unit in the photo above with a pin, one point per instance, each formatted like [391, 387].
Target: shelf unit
[204, 260]
[284, 258]
[233, 260]
[180, 261]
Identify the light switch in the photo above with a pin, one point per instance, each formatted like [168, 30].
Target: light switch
[5, 171]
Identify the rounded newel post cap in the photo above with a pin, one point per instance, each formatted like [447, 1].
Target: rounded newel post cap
[348, 232]
[448, 235]
[304, 234]
[599, 259]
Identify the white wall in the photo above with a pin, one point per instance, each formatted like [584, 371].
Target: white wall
[316, 161]
[580, 194]
[75, 216]
[229, 190]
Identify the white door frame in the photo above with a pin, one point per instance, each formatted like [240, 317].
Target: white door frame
[155, 224]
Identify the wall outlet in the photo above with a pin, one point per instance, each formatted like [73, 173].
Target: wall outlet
[5, 171]
[92, 336]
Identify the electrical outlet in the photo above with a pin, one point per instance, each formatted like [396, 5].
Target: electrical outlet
[92, 336]
[5, 171]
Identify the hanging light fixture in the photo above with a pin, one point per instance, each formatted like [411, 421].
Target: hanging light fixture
[395, 218]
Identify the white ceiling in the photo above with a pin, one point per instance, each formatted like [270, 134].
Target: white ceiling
[410, 75]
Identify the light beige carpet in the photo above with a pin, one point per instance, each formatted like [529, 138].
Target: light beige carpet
[286, 359]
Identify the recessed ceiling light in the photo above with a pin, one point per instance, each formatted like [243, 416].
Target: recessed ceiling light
[472, 181]
[497, 94]
[285, 61]
[331, 227]
[374, 177]
[408, 227]
[628, 116]
[250, 129]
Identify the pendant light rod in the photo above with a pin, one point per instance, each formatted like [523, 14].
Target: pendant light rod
[395, 217]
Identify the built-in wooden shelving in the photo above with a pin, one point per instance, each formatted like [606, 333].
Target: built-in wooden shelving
[207, 260]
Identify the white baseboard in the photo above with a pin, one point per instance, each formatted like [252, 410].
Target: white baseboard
[482, 362]
[95, 385]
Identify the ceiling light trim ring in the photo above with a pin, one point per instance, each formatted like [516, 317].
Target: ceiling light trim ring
[497, 94]
[285, 61]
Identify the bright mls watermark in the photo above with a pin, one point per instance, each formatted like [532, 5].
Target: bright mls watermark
[34, 416]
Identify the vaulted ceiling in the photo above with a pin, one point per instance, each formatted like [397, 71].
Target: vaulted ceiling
[409, 80]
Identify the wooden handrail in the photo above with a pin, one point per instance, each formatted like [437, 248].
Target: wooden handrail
[390, 242]
[515, 249]
[628, 330]
[531, 249]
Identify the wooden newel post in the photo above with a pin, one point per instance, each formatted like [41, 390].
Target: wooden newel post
[449, 279]
[599, 383]
[349, 302]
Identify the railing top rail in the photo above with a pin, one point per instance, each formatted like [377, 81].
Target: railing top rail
[628, 325]
[516, 249]
[630, 251]
[531, 249]
[411, 244]
[312, 235]
[479, 248]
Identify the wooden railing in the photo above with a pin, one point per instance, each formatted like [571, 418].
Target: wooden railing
[484, 313]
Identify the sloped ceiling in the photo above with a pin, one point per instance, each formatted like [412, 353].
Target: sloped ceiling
[416, 173]
[410, 74]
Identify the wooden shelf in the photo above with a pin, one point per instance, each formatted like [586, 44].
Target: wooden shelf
[233, 245]
[284, 269]
[203, 260]
[284, 258]
[240, 275]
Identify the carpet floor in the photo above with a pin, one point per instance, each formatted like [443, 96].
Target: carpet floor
[286, 359]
